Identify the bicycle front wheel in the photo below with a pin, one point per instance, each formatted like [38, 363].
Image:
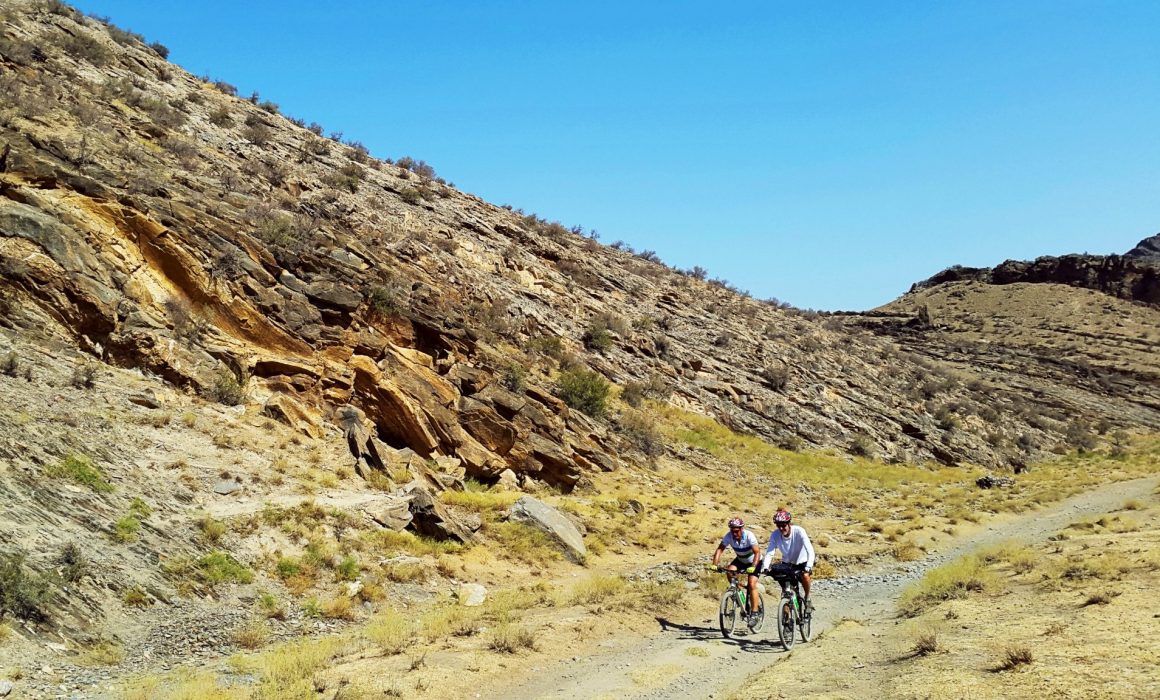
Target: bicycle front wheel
[785, 622]
[728, 614]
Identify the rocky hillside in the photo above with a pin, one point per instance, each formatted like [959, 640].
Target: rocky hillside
[157, 228]
[1073, 332]
[157, 221]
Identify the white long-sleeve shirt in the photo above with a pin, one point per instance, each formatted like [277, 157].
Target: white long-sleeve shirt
[795, 549]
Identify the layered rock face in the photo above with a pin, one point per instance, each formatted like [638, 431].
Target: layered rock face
[1134, 276]
[162, 223]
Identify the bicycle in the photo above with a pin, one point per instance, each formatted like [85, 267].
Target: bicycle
[735, 599]
[790, 609]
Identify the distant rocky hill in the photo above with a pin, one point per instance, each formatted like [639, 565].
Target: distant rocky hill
[1073, 331]
[1134, 276]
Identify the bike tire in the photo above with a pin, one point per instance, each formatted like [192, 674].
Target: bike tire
[728, 613]
[804, 625]
[785, 622]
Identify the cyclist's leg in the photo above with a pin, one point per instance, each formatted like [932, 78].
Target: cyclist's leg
[753, 599]
[806, 580]
[731, 570]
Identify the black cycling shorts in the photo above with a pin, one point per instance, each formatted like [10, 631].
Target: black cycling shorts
[742, 565]
[784, 570]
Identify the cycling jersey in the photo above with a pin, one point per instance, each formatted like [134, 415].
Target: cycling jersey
[743, 546]
[795, 549]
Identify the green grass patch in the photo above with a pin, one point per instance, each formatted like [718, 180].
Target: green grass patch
[481, 501]
[220, 567]
[523, 542]
[126, 529]
[951, 581]
[597, 590]
[80, 469]
[389, 541]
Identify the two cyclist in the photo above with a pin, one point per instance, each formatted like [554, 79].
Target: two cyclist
[789, 540]
[746, 556]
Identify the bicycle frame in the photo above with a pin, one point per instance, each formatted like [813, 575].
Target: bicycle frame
[791, 598]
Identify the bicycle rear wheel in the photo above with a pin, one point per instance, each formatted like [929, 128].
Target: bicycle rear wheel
[804, 625]
[728, 613]
[785, 622]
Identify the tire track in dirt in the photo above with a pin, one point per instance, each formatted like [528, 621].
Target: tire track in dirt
[689, 659]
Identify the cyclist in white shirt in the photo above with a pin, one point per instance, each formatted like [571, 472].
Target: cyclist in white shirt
[746, 554]
[794, 545]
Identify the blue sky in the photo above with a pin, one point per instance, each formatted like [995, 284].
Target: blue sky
[826, 154]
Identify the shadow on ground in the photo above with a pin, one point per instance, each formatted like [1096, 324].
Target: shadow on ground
[752, 642]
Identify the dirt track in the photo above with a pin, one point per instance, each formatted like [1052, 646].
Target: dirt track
[687, 658]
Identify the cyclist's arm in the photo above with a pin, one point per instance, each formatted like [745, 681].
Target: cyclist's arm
[757, 557]
[717, 554]
[809, 547]
[768, 559]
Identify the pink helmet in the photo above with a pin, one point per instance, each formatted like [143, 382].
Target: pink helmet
[782, 516]
[736, 522]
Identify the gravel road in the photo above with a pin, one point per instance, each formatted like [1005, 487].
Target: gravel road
[689, 659]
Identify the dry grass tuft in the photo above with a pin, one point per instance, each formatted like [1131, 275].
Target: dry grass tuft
[597, 590]
[1100, 598]
[252, 635]
[450, 621]
[906, 551]
[390, 631]
[925, 643]
[339, 608]
[1015, 656]
[824, 569]
[509, 639]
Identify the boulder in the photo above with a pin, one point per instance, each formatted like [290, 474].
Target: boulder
[430, 518]
[225, 487]
[484, 424]
[334, 295]
[506, 402]
[471, 595]
[363, 447]
[147, 399]
[286, 410]
[395, 515]
[469, 379]
[558, 465]
[990, 482]
[508, 481]
[540, 515]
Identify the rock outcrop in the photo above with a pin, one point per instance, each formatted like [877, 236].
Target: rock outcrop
[1134, 276]
[535, 513]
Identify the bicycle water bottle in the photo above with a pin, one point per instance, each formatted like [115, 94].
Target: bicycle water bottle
[742, 592]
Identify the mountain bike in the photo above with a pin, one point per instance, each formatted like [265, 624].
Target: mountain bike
[735, 604]
[791, 610]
